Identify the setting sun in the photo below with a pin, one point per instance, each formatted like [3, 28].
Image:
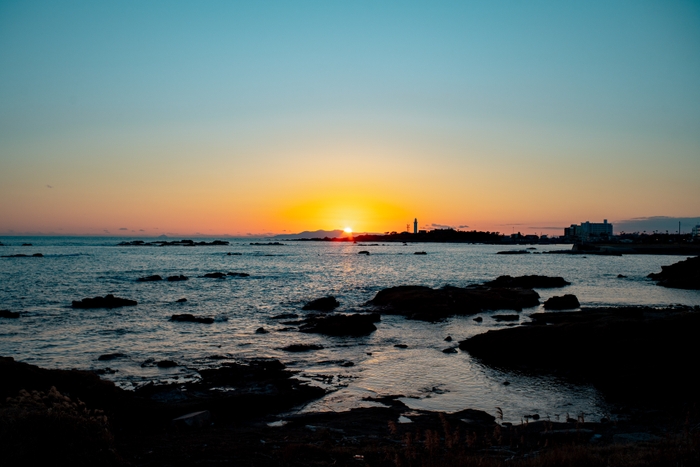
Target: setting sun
[347, 230]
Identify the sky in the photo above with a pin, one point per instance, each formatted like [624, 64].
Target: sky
[236, 118]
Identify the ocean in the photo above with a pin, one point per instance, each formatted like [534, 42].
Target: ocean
[282, 278]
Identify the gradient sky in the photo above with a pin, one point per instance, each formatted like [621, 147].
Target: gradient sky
[256, 117]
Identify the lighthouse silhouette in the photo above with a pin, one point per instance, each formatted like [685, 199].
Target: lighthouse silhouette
[415, 225]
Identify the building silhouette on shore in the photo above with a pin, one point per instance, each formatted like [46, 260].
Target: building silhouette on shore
[587, 231]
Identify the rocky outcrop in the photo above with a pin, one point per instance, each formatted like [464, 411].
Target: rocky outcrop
[223, 275]
[681, 275]
[108, 301]
[177, 278]
[302, 347]
[189, 318]
[328, 303]
[630, 352]
[528, 282]
[424, 303]
[35, 255]
[110, 356]
[513, 252]
[359, 324]
[564, 302]
[9, 314]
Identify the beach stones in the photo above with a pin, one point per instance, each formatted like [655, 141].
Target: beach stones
[108, 301]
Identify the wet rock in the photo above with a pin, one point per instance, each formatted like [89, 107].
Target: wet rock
[261, 330]
[215, 275]
[360, 324]
[424, 303]
[639, 354]
[108, 301]
[181, 300]
[500, 318]
[448, 339]
[302, 347]
[450, 350]
[177, 278]
[106, 371]
[363, 252]
[166, 364]
[528, 282]
[681, 275]
[27, 244]
[35, 255]
[401, 346]
[564, 302]
[621, 276]
[322, 304]
[238, 274]
[111, 356]
[233, 254]
[9, 314]
[478, 319]
[153, 278]
[513, 252]
[420, 253]
[189, 318]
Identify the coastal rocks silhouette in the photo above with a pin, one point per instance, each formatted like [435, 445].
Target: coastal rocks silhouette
[359, 324]
[564, 302]
[639, 353]
[177, 278]
[328, 303]
[681, 275]
[302, 347]
[9, 314]
[528, 282]
[108, 301]
[427, 304]
[189, 318]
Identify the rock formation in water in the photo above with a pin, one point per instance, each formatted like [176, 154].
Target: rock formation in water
[108, 301]
[681, 275]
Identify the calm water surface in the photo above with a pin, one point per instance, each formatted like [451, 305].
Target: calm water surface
[282, 278]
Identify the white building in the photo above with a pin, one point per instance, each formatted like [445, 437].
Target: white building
[696, 231]
[589, 231]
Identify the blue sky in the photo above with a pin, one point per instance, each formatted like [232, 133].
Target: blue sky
[527, 98]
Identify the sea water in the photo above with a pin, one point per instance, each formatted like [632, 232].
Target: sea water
[282, 279]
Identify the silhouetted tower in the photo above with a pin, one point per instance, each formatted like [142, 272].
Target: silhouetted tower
[415, 225]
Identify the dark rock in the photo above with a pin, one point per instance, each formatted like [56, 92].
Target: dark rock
[108, 301]
[448, 339]
[639, 354]
[360, 324]
[261, 330]
[215, 275]
[238, 274]
[302, 347]
[565, 302]
[181, 300]
[478, 319]
[420, 253]
[9, 314]
[111, 356]
[681, 275]
[500, 318]
[106, 371]
[37, 255]
[188, 318]
[363, 252]
[322, 304]
[513, 252]
[268, 244]
[177, 278]
[347, 364]
[450, 350]
[21, 255]
[166, 364]
[621, 276]
[150, 278]
[418, 302]
[233, 254]
[401, 346]
[528, 282]
[26, 244]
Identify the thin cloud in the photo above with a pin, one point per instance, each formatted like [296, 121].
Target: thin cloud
[49, 186]
[441, 226]
[123, 228]
[463, 227]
